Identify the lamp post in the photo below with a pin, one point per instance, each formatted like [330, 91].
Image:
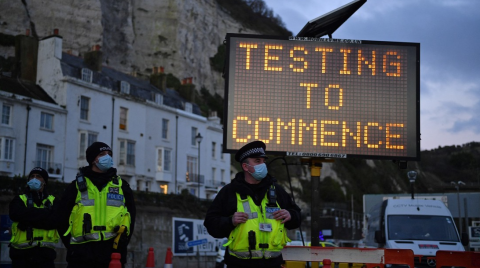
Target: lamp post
[199, 139]
[412, 176]
[457, 186]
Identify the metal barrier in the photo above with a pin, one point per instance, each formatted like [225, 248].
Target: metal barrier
[370, 257]
[458, 258]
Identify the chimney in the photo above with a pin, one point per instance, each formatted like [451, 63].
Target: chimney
[93, 59]
[55, 32]
[187, 89]
[159, 79]
[26, 56]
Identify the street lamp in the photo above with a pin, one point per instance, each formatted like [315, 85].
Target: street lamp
[412, 176]
[457, 186]
[199, 139]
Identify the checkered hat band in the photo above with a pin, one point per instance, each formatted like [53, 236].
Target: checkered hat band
[252, 151]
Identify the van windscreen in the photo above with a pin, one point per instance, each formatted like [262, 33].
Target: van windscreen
[427, 228]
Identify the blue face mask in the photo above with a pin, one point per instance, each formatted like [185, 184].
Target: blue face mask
[105, 162]
[34, 184]
[260, 171]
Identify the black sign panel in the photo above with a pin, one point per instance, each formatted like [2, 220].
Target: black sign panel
[323, 97]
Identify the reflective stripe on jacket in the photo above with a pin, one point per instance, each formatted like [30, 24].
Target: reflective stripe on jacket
[96, 214]
[267, 244]
[40, 237]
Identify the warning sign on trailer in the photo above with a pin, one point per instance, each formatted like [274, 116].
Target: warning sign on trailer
[323, 97]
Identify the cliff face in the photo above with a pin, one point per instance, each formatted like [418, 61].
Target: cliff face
[135, 35]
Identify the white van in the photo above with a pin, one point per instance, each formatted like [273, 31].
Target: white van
[423, 226]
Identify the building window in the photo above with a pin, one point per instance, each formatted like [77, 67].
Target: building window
[123, 118]
[127, 153]
[164, 159]
[214, 171]
[164, 188]
[87, 75]
[158, 98]
[86, 139]
[192, 170]
[165, 128]
[214, 144]
[46, 121]
[84, 108]
[6, 148]
[6, 114]
[222, 175]
[188, 107]
[221, 154]
[139, 183]
[194, 134]
[44, 156]
[124, 87]
[147, 186]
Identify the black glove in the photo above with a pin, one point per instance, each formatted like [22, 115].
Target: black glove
[22, 226]
[125, 231]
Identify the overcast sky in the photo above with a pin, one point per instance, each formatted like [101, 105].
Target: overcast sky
[449, 35]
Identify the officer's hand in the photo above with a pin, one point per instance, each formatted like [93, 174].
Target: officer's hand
[239, 217]
[282, 215]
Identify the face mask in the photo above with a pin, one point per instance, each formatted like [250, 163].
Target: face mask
[34, 184]
[260, 171]
[105, 162]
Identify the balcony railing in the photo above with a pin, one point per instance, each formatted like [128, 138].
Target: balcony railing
[213, 184]
[193, 178]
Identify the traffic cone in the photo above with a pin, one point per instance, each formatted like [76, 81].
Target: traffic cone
[327, 263]
[168, 259]
[150, 259]
[115, 261]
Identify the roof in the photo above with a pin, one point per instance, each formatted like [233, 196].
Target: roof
[328, 23]
[110, 78]
[24, 88]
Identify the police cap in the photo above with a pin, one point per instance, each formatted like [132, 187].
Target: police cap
[253, 149]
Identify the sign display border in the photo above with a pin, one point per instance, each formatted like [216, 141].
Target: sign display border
[412, 113]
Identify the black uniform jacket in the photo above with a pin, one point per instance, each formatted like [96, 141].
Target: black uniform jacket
[93, 252]
[218, 220]
[39, 218]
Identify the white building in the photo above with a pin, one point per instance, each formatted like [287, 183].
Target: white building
[32, 127]
[151, 131]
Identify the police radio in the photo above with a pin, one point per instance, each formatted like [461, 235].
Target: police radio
[272, 197]
[81, 183]
[87, 223]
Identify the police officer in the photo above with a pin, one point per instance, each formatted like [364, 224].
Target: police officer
[33, 233]
[97, 212]
[252, 212]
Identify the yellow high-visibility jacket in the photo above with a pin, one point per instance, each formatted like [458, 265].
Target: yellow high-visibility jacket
[96, 214]
[268, 244]
[42, 238]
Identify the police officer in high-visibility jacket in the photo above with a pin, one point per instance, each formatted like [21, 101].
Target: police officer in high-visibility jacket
[34, 234]
[97, 212]
[252, 212]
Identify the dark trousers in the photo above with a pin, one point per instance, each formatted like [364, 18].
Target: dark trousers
[232, 266]
[89, 265]
[28, 263]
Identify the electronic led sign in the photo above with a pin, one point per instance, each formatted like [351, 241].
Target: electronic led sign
[323, 97]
